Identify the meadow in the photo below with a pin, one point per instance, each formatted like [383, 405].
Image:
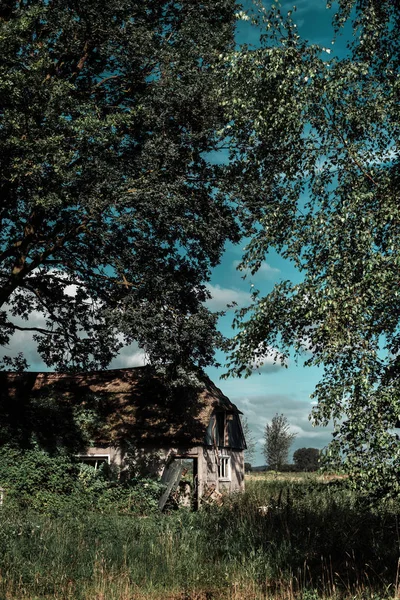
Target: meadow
[284, 538]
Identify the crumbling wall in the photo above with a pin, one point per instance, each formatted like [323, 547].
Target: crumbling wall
[211, 458]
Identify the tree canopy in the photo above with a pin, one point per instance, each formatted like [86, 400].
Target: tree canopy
[306, 459]
[319, 139]
[111, 217]
[251, 442]
[113, 212]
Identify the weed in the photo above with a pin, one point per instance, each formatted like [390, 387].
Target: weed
[313, 541]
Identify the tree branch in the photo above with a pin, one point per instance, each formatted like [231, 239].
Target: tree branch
[106, 79]
[83, 59]
[349, 151]
[38, 329]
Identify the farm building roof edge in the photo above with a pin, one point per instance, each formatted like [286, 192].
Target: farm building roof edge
[133, 401]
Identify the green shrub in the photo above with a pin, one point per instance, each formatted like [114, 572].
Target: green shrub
[59, 483]
[27, 473]
[138, 496]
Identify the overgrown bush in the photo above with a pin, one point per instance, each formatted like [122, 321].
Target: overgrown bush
[58, 483]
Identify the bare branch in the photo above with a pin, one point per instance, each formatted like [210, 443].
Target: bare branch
[106, 79]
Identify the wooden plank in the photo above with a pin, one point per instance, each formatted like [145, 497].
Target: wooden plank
[171, 477]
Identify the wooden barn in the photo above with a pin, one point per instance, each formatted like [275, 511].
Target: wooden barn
[132, 420]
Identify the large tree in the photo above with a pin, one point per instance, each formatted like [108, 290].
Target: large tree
[306, 459]
[318, 138]
[278, 440]
[111, 216]
[251, 442]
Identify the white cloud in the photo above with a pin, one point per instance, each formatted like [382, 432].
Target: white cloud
[264, 272]
[221, 297]
[261, 408]
[305, 6]
[22, 341]
[267, 271]
[314, 433]
[269, 361]
[71, 290]
[128, 357]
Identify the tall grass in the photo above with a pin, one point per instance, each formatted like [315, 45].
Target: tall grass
[309, 540]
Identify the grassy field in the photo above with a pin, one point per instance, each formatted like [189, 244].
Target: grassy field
[282, 539]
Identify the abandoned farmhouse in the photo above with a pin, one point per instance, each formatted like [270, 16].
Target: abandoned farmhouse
[131, 420]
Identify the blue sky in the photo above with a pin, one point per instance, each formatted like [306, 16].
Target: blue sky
[273, 389]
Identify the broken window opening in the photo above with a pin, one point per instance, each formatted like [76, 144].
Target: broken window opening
[224, 468]
[94, 460]
[221, 426]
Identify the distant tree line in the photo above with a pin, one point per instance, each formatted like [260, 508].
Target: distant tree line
[304, 460]
[277, 442]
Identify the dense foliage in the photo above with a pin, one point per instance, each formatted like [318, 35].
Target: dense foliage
[114, 207]
[306, 459]
[318, 137]
[58, 484]
[111, 216]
